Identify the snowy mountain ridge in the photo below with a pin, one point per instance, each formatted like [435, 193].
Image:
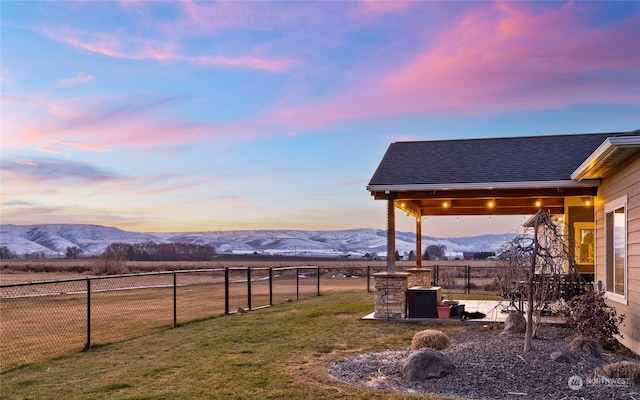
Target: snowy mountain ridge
[53, 239]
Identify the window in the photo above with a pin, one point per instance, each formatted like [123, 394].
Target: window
[615, 236]
[584, 234]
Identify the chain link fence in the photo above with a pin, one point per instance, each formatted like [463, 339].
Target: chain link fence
[42, 320]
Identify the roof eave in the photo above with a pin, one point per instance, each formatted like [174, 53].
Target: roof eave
[485, 185]
[604, 151]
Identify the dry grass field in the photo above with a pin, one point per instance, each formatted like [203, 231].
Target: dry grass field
[13, 271]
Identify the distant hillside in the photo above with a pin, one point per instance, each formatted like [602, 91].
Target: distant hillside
[53, 240]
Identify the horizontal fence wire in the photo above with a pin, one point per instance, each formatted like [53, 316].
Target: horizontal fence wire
[45, 319]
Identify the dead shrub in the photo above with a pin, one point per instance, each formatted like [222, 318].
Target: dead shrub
[592, 317]
[586, 346]
[110, 266]
[624, 369]
[430, 338]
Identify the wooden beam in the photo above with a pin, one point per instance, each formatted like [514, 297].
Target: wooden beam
[391, 236]
[502, 202]
[419, 242]
[489, 193]
[427, 211]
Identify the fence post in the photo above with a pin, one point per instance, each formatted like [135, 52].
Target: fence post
[88, 344]
[270, 286]
[249, 288]
[318, 270]
[175, 300]
[226, 290]
[468, 276]
[297, 284]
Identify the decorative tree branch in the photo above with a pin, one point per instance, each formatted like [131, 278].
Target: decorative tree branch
[537, 266]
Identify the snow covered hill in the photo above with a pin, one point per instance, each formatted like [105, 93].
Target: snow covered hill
[53, 240]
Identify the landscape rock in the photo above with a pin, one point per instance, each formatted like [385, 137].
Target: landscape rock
[562, 356]
[425, 364]
[515, 323]
[586, 346]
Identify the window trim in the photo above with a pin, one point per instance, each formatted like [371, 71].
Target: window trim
[611, 206]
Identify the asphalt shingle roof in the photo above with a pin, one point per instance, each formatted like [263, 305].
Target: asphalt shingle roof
[512, 159]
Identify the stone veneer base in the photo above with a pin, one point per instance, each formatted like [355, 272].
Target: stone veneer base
[390, 295]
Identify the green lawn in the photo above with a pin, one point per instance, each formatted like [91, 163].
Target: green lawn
[280, 352]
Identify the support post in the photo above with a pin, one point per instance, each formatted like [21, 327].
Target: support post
[419, 242]
[391, 235]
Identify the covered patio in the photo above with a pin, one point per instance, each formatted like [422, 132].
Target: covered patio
[497, 176]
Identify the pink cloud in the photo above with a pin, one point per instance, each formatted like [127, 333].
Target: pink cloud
[99, 124]
[208, 17]
[497, 57]
[53, 147]
[155, 186]
[139, 49]
[501, 56]
[385, 7]
[82, 77]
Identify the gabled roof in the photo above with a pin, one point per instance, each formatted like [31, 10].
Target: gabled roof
[486, 163]
[497, 176]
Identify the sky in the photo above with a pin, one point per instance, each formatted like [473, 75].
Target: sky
[161, 116]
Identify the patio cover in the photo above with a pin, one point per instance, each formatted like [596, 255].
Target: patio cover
[495, 176]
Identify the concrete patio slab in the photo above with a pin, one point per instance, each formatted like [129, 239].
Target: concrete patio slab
[494, 311]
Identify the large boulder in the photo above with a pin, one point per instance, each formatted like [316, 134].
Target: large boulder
[515, 323]
[425, 364]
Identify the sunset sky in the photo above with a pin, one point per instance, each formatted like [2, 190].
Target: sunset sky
[199, 116]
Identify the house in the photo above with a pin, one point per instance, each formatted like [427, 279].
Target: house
[591, 181]
[616, 163]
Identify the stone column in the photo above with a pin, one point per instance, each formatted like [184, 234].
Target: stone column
[390, 295]
[419, 277]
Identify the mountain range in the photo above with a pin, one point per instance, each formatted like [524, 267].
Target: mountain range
[52, 240]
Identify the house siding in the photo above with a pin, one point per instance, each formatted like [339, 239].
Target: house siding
[624, 181]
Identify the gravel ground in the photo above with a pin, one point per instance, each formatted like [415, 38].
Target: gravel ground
[491, 366]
